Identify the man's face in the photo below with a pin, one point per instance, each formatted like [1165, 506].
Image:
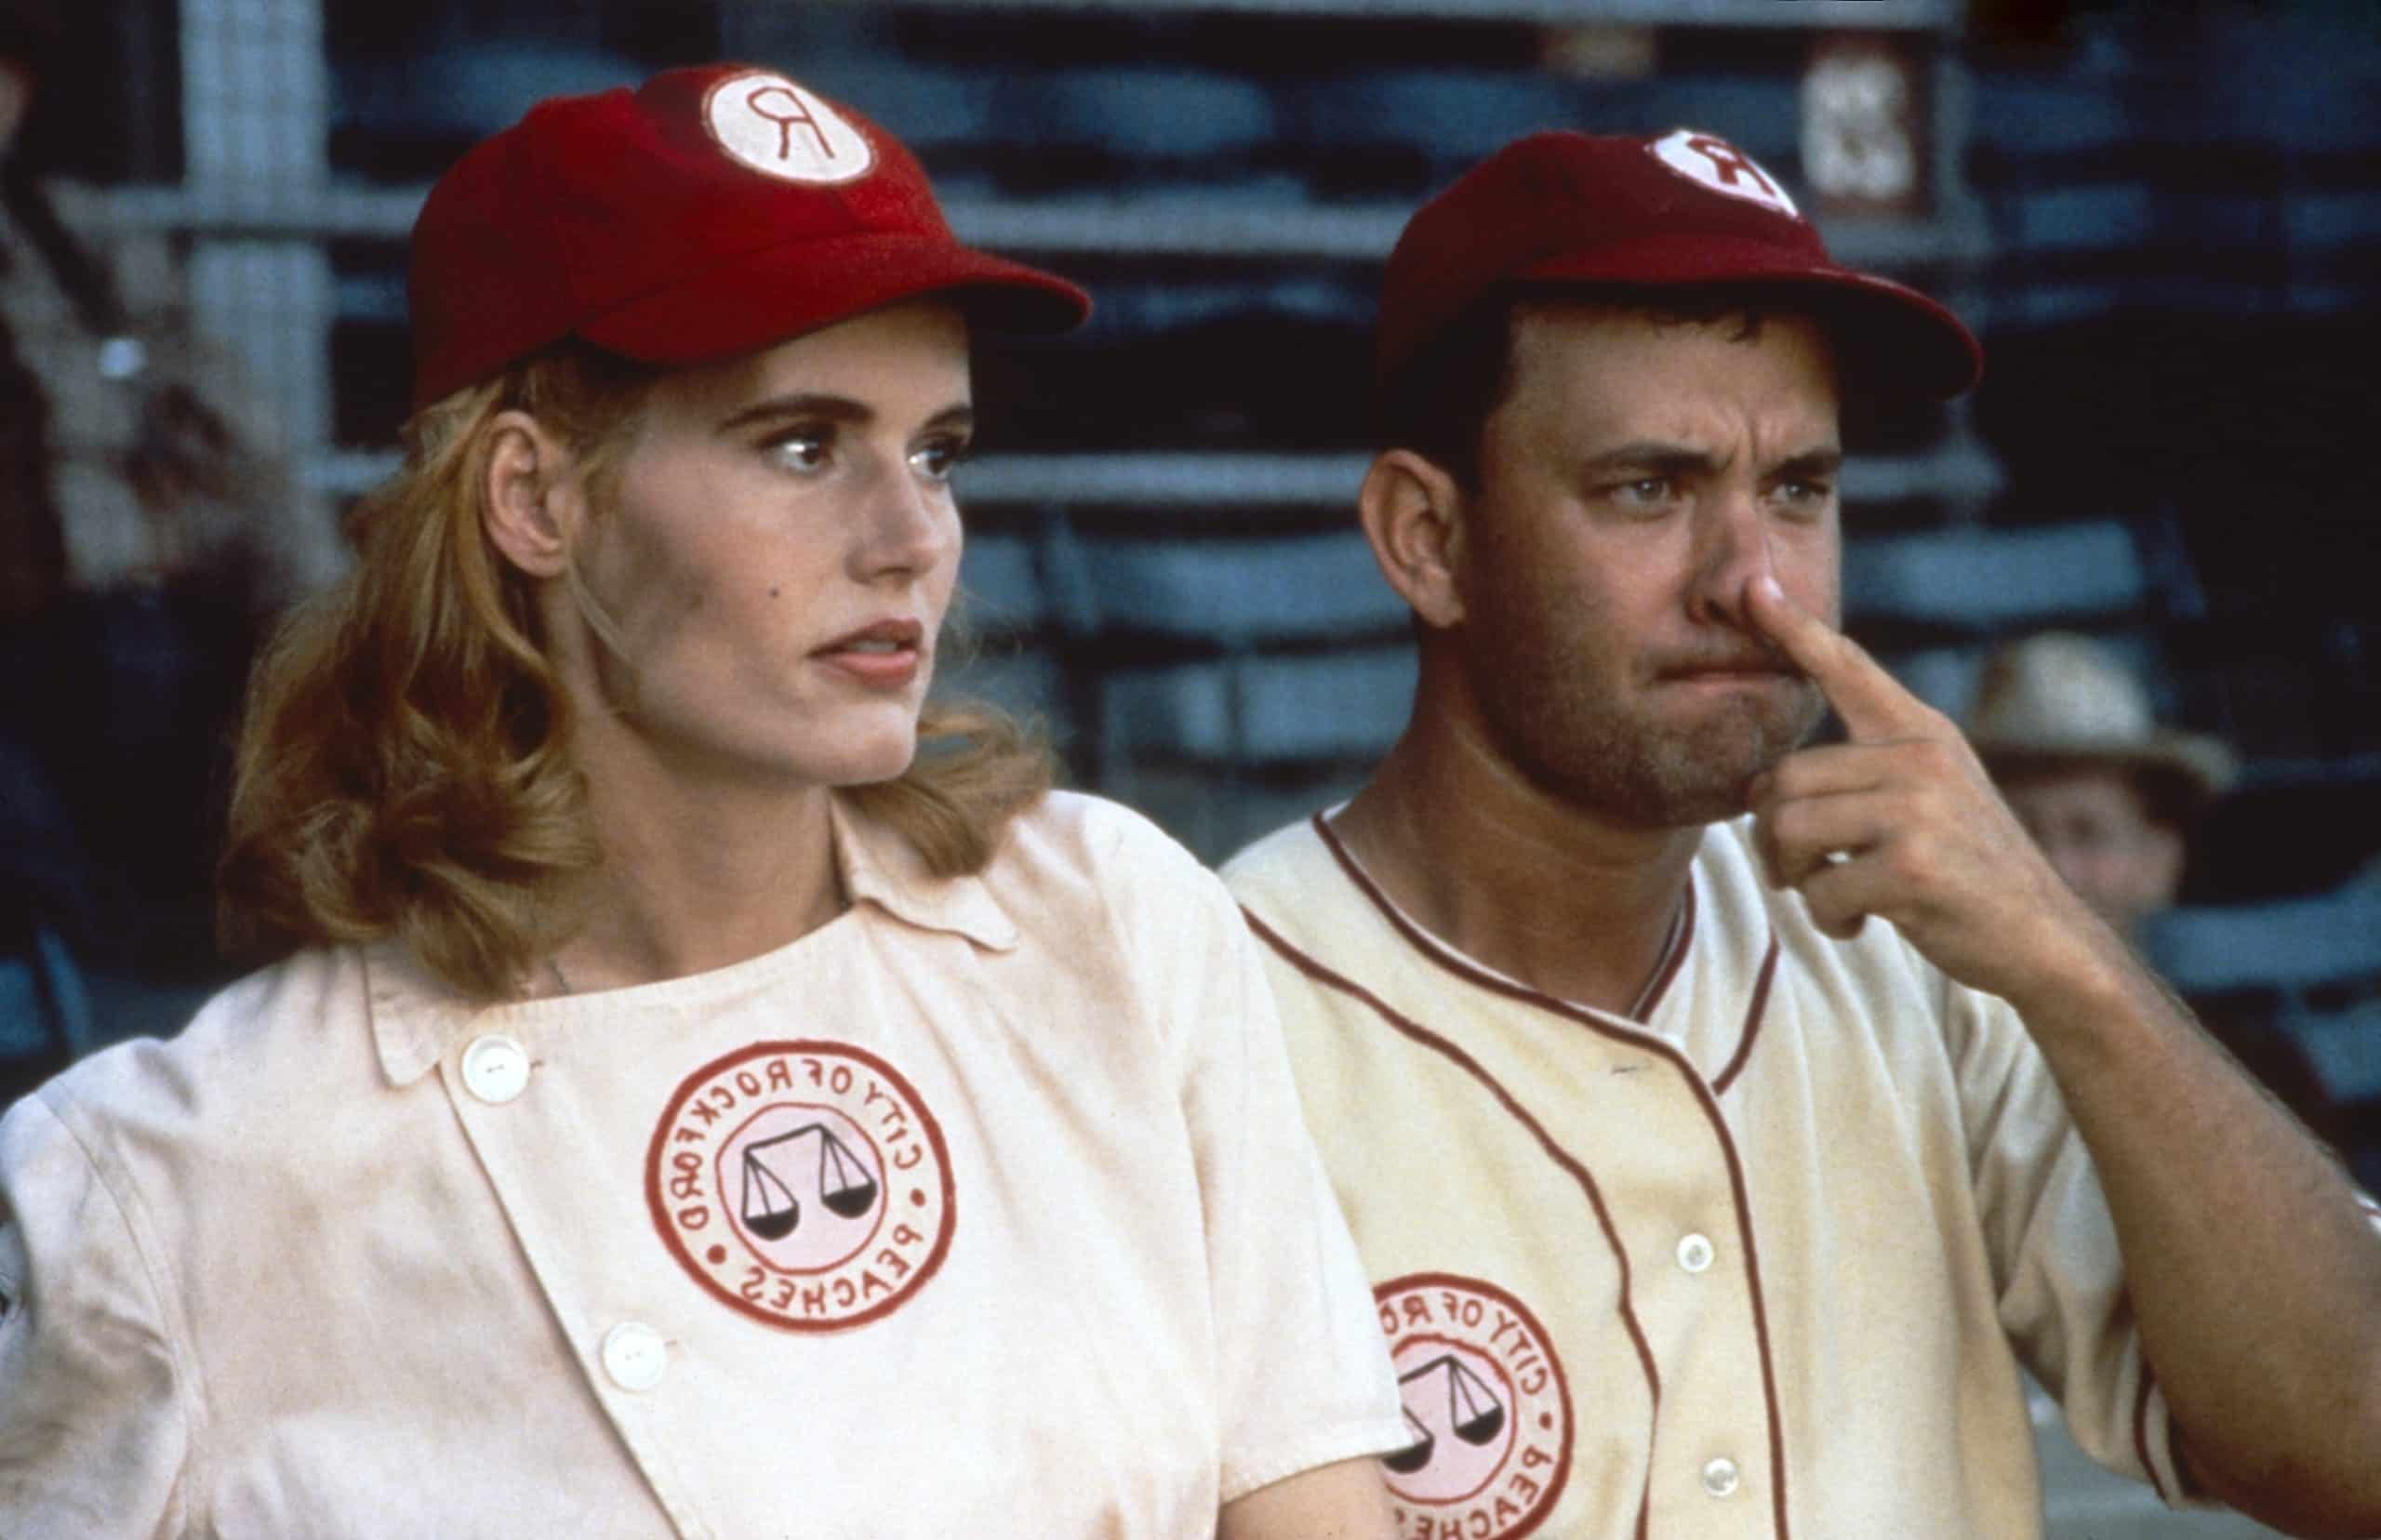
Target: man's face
[2090, 822]
[1640, 473]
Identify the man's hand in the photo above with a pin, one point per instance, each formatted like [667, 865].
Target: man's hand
[2252, 1268]
[1903, 822]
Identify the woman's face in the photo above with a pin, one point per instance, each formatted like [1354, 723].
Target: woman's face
[775, 550]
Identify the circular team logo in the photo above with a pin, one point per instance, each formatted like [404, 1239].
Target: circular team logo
[803, 1183]
[1712, 162]
[773, 125]
[1486, 1403]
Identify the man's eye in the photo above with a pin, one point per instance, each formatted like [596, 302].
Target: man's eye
[1643, 492]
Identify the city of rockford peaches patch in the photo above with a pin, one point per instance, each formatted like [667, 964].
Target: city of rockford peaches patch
[803, 1183]
[1486, 1402]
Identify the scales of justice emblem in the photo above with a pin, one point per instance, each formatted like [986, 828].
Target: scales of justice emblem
[841, 1184]
[803, 1183]
[1473, 1412]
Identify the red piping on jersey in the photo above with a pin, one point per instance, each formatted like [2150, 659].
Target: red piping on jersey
[1647, 1041]
[1428, 1038]
[1675, 942]
[1674, 955]
[1752, 1020]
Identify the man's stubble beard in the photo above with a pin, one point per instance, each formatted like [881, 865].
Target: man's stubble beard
[1599, 759]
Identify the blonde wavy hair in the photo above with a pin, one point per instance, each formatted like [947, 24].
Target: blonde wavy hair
[403, 766]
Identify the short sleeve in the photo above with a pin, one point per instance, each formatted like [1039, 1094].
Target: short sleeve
[2054, 1246]
[92, 1424]
[1303, 1371]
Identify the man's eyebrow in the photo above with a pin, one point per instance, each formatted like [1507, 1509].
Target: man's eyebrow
[1811, 463]
[1651, 454]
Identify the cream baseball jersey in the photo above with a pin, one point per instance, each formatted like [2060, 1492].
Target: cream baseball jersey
[984, 1209]
[1750, 1263]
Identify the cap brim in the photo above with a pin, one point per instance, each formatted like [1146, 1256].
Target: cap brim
[768, 297]
[1891, 335]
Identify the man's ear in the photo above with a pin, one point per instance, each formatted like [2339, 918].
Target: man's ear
[534, 501]
[1413, 514]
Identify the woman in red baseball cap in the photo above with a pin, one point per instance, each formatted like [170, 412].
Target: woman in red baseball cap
[703, 1088]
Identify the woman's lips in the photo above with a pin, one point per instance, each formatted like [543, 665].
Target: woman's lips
[883, 655]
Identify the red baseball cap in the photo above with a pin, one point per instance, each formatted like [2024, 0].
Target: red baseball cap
[709, 212]
[1684, 210]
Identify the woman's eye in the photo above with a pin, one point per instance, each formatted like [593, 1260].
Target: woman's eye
[935, 462]
[803, 449]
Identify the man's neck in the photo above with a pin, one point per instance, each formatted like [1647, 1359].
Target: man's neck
[1548, 895]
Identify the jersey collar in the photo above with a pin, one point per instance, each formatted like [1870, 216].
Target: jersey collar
[881, 866]
[415, 1016]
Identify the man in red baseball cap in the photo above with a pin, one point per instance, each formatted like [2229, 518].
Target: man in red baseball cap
[1725, 1122]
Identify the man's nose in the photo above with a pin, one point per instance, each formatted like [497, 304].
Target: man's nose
[1732, 547]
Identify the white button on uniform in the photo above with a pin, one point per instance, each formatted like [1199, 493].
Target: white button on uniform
[496, 1068]
[1695, 1252]
[635, 1355]
[1720, 1477]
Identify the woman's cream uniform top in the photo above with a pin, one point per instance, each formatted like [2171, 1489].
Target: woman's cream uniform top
[1752, 1264]
[983, 1210]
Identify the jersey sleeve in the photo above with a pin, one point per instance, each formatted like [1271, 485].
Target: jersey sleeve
[1303, 1371]
[93, 1425]
[2054, 1246]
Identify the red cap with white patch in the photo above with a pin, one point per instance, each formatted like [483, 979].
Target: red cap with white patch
[1685, 210]
[712, 211]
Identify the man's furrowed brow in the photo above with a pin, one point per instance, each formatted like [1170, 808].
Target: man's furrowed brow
[1652, 455]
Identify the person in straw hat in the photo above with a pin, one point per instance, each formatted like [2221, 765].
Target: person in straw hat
[2112, 797]
[705, 1090]
[2116, 802]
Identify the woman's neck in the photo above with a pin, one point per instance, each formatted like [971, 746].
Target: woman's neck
[695, 878]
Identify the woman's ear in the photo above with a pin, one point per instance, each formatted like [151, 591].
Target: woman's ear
[1413, 514]
[535, 500]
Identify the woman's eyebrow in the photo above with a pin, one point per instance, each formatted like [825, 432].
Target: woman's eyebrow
[803, 403]
[820, 405]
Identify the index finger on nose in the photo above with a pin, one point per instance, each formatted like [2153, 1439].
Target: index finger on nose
[1872, 702]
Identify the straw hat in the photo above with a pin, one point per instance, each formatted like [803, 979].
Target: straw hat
[2057, 697]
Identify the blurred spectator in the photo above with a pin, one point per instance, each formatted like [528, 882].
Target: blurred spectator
[147, 528]
[2112, 798]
